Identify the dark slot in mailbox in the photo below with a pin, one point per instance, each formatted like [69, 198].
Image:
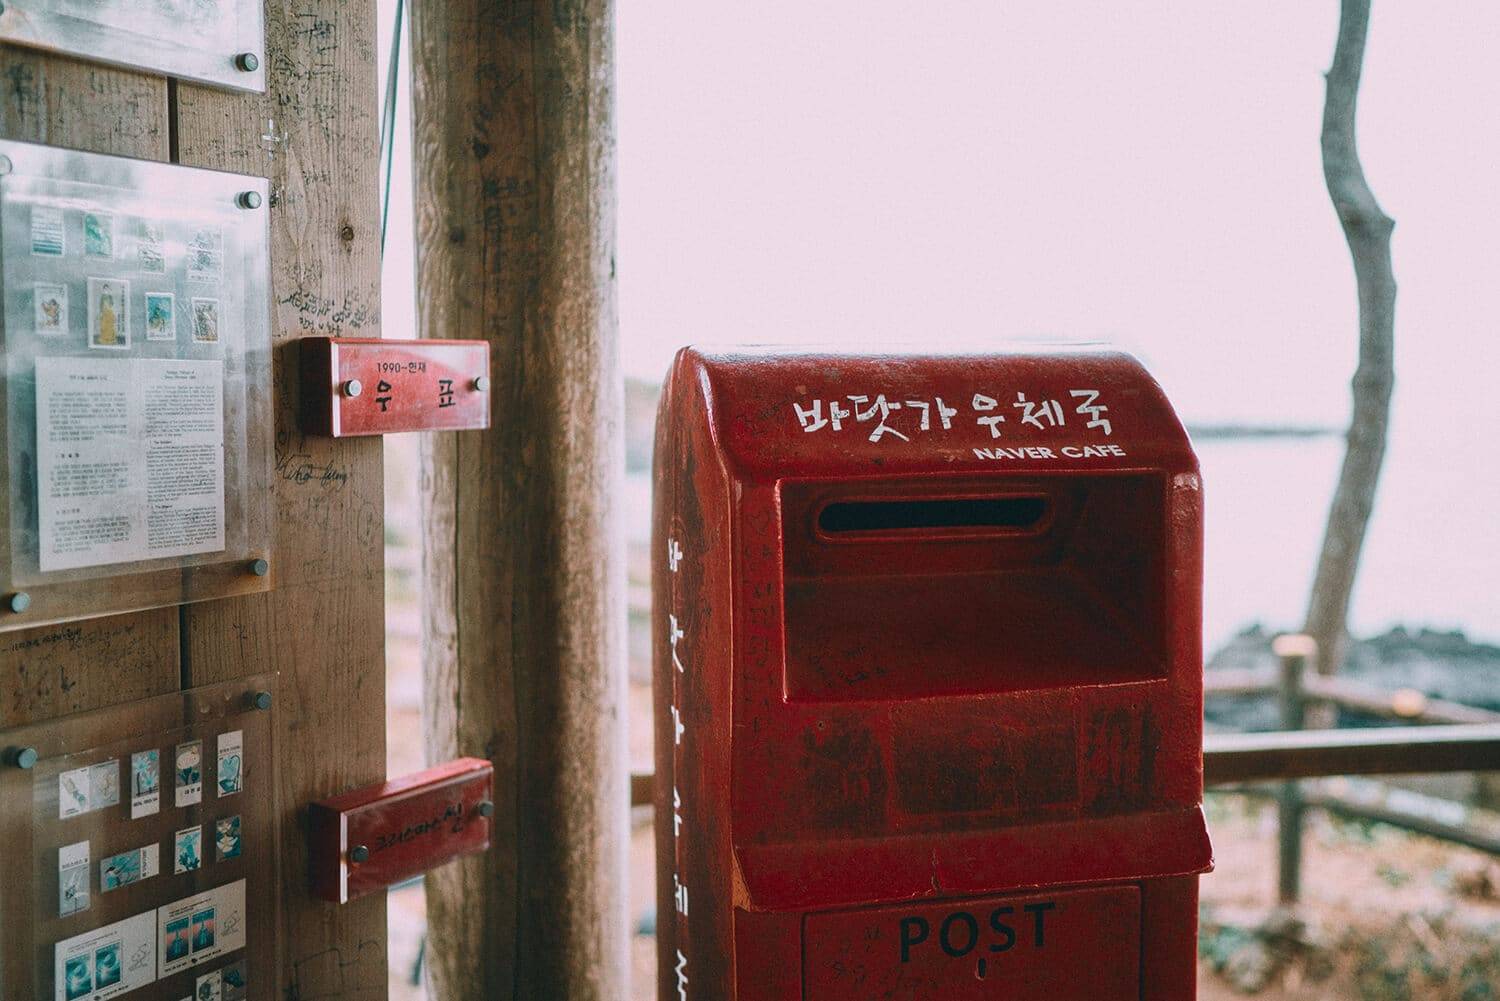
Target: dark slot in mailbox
[916, 515]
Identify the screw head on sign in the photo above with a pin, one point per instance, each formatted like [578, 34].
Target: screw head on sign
[248, 200]
[485, 808]
[352, 388]
[359, 853]
[22, 757]
[261, 700]
[260, 567]
[19, 602]
[482, 384]
[5, 165]
[247, 62]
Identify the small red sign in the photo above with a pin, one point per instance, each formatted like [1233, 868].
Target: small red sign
[372, 838]
[362, 386]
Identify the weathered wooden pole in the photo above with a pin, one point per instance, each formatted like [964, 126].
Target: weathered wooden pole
[1293, 651]
[513, 118]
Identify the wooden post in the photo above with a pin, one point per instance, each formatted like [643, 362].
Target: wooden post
[314, 133]
[1294, 651]
[513, 119]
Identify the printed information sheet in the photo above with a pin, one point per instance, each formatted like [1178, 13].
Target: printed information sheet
[130, 459]
[196, 929]
[109, 961]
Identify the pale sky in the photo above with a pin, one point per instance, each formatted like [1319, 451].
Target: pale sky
[1143, 173]
[1147, 174]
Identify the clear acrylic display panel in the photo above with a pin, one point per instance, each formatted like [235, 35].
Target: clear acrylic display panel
[189, 268]
[33, 834]
[201, 40]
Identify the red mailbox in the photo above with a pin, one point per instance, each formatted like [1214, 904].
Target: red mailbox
[928, 679]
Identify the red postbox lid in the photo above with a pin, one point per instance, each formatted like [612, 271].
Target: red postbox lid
[813, 413]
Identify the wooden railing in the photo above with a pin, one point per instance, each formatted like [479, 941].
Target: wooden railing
[1230, 758]
[1444, 737]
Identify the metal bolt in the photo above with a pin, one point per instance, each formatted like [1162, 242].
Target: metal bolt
[5, 165]
[247, 62]
[19, 602]
[485, 808]
[248, 200]
[21, 757]
[352, 388]
[482, 384]
[359, 853]
[260, 567]
[261, 700]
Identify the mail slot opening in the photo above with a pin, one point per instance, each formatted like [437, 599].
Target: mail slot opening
[898, 591]
[1018, 513]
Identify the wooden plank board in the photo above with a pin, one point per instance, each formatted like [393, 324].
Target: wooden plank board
[513, 150]
[314, 134]
[1294, 754]
[61, 102]
[55, 670]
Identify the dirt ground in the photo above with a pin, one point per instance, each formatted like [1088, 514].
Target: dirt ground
[1384, 914]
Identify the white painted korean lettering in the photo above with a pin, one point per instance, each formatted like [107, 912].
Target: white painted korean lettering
[811, 418]
[881, 407]
[1094, 412]
[984, 405]
[927, 416]
[673, 635]
[1040, 414]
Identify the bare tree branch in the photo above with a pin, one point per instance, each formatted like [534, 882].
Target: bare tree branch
[1368, 232]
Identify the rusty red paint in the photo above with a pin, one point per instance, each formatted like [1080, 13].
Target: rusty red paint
[400, 828]
[414, 385]
[928, 632]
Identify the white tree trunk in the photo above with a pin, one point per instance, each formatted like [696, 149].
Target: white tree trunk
[1368, 232]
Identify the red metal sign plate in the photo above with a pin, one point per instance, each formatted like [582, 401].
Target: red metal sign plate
[1062, 946]
[400, 828]
[364, 386]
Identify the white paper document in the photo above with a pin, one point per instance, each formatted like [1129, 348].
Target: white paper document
[130, 459]
[106, 962]
[73, 879]
[196, 929]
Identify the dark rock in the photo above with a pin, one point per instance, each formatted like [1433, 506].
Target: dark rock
[1442, 665]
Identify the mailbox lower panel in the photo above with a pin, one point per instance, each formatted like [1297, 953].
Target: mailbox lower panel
[1061, 945]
